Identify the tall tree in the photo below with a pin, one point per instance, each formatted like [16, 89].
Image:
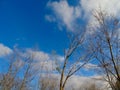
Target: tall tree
[20, 72]
[75, 57]
[105, 42]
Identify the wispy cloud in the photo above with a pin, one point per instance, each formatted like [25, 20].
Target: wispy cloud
[38, 55]
[66, 15]
[43, 60]
[90, 66]
[4, 50]
[112, 6]
[78, 82]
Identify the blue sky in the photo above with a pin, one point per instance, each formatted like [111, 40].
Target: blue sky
[30, 23]
[23, 23]
[45, 23]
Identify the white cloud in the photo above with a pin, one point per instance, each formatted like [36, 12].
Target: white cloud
[79, 82]
[18, 63]
[82, 82]
[46, 65]
[66, 14]
[44, 61]
[38, 55]
[90, 66]
[111, 6]
[4, 50]
[50, 18]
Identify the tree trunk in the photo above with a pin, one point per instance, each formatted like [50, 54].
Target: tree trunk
[61, 88]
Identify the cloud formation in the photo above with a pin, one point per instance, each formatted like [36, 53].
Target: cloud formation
[90, 66]
[43, 60]
[67, 15]
[38, 55]
[112, 6]
[4, 50]
[82, 82]
[77, 82]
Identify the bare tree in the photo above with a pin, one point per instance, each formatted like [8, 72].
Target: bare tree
[90, 86]
[8, 80]
[20, 72]
[106, 44]
[75, 57]
[49, 83]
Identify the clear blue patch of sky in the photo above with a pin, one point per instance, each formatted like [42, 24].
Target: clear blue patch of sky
[23, 22]
[73, 2]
